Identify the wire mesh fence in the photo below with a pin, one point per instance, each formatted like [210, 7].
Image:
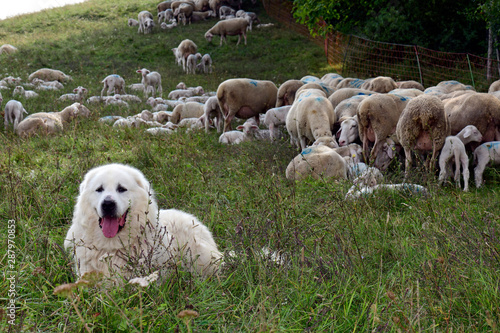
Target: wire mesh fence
[353, 56]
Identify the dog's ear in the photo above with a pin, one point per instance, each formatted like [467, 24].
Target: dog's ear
[142, 181]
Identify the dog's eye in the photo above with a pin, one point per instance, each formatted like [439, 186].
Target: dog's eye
[100, 189]
[121, 189]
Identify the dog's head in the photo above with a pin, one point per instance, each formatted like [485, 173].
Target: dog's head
[111, 196]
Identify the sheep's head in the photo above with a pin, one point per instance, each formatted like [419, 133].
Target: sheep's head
[209, 36]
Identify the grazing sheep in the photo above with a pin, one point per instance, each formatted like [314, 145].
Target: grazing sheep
[132, 22]
[479, 109]
[287, 91]
[485, 154]
[19, 90]
[49, 123]
[113, 83]
[422, 126]
[185, 48]
[188, 110]
[380, 84]
[8, 49]
[410, 84]
[245, 98]
[205, 64]
[276, 117]
[317, 162]
[151, 81]
[78, 95]
[212, 110]
[454, 146]
[48, 74]
[378, 116]
[13, 113]
[186, 10]
[191, 61]
[310, 120]
[232, 27]
[146, 22]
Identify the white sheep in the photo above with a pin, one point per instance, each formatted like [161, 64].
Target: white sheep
[48, 74]
[249, 16]
[19, 90]
[317, 162]
[202, 16]
[165, 26]
[177, 56]
[485, 154]
[211, 110]
[185, 48]
[117, 101]
[232, 27]
[136, 87]
[408, 189]
[310, 120]
[78, 95]
[132, 22]
[165, 16]
[8, 49]
[13, 113]
[245, 98]
[187, 110]
[226, 11]
[205, 64]
[128, 98]
[146, 22]
[185, 10]
[151, 79]
[113, 83]
[348, 131]
[191, 61]
[237, 137]
[274, 118]
[47, 85]
[454, 146]
[189, 92]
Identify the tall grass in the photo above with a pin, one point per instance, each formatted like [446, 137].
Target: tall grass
[388, 263]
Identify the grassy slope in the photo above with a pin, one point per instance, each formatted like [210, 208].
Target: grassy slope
[387, 263]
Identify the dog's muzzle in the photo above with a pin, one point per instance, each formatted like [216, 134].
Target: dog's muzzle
[109, 222]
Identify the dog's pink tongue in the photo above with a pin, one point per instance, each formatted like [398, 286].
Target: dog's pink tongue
[110, 226]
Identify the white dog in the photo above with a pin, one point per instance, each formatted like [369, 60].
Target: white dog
[117, 228]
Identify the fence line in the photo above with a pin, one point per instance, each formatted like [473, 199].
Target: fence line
[354, 56]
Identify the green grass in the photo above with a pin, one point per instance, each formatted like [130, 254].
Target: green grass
[389, 263]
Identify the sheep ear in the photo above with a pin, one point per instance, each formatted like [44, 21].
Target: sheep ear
[255, 126]
[239, 127]
[139, 71]
[467, 133]
[337, 135]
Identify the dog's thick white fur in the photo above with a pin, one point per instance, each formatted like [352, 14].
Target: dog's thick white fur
[117, 228]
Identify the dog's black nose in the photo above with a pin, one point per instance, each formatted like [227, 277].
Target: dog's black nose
[108, 207]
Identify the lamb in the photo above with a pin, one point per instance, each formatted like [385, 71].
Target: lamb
[146, 22]
[423, 126]
[185, 48]
[49, 123]
[479, 109]
[189, 92]
[78, 96]
[136, 87]
[188, 110]
[454, 146]
[232, 27]
[311, 118]
[212, 110]
[164, 26]
[317, 162]
[165, 16]
[380, 84]
[485, 154]
[250, 16]
[348, 131]
[237, 137]
[117, 101]
[201, 16]
[128, 98]
[113, 83]
[47, 85]
[205, 64]
[245, 98]
[10, 81]
[378, 116]
[177, 56]
[48, 74]
[19, 90]
[276, 117]
[13, 113]
[151, 80]
[132, 23]
[405, 188]
[8, 49]
[191, 61]
[287, 91]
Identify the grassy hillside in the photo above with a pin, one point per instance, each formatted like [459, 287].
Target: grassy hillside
[389, 263]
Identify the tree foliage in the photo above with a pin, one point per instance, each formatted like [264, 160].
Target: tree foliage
[447, 25]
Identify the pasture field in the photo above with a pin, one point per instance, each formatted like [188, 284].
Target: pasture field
[388, 263]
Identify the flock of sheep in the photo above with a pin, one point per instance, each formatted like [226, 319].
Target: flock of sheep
[344, 128]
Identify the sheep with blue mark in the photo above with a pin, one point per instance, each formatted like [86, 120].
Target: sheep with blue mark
[378, 116]
[316, 85]
[350, 82]
[344, 93]
[317, 162]
[409, 92]
[347, 109]
[331, 79]
[485, 154]
[245, 98]
[454, 147]
[310, 120]
[113, 83]
[287, 91]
